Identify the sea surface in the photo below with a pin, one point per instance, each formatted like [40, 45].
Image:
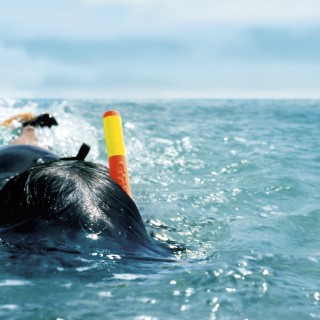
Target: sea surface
[236, 182]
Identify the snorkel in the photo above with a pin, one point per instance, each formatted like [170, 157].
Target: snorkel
[116, 149]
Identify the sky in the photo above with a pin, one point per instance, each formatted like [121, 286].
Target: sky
[127, 49]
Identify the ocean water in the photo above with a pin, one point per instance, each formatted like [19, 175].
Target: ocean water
[236, 182]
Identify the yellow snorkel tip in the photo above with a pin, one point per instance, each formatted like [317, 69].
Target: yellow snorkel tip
[116, 149]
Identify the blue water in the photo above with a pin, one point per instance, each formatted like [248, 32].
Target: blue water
[236, 182]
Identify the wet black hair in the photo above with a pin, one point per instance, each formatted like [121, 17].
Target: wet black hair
[80, 196]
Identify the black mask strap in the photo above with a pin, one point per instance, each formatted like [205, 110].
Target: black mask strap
[83, 152]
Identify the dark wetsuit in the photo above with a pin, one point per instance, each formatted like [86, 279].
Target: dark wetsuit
[15, 159]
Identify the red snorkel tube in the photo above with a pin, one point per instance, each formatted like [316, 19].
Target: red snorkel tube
[116, 149]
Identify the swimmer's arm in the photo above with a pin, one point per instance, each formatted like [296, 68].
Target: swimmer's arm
[22, 117]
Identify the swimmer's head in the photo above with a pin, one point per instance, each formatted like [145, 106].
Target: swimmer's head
[75, 195]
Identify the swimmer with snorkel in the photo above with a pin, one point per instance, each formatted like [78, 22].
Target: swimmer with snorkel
[40, 191]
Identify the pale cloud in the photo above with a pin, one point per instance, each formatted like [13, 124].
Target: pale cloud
[159, 48]
[111, 19]
[25, 76]
[121, 2]
[222, 11]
